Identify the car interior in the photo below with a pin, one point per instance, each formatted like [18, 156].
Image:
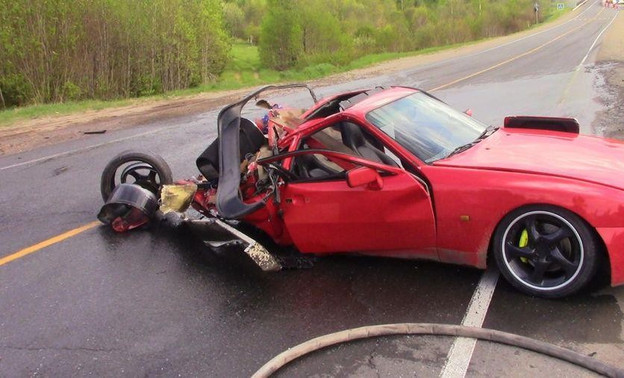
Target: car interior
[345, 137]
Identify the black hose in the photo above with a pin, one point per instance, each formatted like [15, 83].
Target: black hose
[551, 350]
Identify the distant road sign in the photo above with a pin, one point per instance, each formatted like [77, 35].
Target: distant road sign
[560, 6]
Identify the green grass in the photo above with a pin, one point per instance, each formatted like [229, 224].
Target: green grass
[555, 14]
[245, 57]
[244, 70]
[10, 116]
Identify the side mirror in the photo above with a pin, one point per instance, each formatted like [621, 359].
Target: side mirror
[364, 176]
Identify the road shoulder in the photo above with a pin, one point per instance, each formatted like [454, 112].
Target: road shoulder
[610, 64]
[30, 134]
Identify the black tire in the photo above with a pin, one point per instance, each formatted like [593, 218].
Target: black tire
[546, 251]
[145, 169]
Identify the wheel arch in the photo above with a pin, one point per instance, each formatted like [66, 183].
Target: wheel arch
[604, 255]
[601, 271]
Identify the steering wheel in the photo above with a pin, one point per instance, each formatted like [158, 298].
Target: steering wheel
[281, 172]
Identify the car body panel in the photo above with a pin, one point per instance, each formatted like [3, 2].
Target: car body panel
[326, 217]
[446, 210]
[582, 157]
[613, 237]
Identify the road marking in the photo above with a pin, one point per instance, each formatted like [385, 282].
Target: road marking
[576, 18]
[47, 243]
[59, 238]
[500, 64]
[579, 5]
[597, 38]
[566, 91]
[50, 157]
[461, 352]
[82, 149]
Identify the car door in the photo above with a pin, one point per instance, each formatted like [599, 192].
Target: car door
[370, 208]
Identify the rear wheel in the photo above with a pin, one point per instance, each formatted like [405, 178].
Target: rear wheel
[145, 169]
[546, 251]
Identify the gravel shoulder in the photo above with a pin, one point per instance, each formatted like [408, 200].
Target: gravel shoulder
[610, 63]
[29, 134]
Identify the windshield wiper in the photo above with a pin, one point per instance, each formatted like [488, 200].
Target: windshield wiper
[486, 133]
[463, 147]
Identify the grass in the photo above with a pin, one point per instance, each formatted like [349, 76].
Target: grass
[10, 116]
[555, 14]
[244, 70]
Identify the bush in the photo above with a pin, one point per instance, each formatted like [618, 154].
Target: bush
[58, 50]
[15, 90]
[71, 92]
[281, 36]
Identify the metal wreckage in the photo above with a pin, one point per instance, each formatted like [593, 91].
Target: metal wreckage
[395, 172]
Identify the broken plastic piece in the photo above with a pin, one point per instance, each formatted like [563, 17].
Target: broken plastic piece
[222, 234]
[129, 206]
[132, 218]
[176, 198]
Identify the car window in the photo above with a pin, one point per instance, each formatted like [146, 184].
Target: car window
[329, 138]
[425, 126]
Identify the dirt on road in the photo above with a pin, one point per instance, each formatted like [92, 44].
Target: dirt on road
[29, 134]
[610, 62]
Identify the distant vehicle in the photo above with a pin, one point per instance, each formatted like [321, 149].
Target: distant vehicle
[397, 172]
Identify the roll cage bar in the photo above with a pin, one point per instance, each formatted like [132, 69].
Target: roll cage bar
[229, 202]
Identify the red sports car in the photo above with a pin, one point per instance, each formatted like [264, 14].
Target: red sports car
[397, 172]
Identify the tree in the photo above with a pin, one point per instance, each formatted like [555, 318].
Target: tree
[281, 36]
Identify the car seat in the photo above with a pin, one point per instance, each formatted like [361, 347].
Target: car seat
[354, 138]
[250, 141]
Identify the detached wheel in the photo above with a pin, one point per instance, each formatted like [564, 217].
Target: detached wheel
[545, 251]
[145, 169]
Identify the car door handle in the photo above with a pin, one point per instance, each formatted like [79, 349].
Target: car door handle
[297, 200]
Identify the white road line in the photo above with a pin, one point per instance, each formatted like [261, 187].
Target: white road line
[462, 349]
[581, 4]
[426, 66]
[536, 34]
[461, 352]
[566, 91]
[82, 149]
[596, 40]
[50, 157]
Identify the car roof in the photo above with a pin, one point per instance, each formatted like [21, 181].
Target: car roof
[373, 99]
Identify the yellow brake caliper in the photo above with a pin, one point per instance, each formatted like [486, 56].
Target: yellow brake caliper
[524, 241]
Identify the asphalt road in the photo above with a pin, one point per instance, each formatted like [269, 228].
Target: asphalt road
[159, 303]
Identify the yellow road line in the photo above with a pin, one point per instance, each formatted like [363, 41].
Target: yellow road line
[513, 58]
[88, 226]
[47, 243]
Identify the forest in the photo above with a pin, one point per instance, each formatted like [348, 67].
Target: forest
[68, 50]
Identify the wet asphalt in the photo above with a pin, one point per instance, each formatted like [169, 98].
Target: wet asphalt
[157, 302]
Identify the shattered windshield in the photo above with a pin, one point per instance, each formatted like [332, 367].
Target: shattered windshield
[426, 127]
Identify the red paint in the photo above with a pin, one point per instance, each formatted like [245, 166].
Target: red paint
[332, 217]
[453, 216]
